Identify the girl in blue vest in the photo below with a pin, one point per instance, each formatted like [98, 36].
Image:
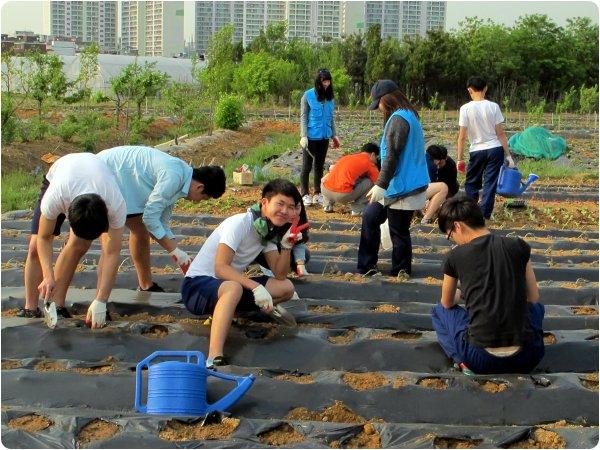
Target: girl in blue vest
[316, 128]
[400, 189]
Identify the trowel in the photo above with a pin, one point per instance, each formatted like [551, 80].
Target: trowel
[50, 315]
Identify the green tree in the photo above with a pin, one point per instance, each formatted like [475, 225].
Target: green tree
[217, 76]
[13, 95]
[582, 39]
[355, 58]
[88, 68]
[44, 78]
[372, 46]
[341, 85]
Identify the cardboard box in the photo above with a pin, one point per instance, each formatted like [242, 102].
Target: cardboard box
[243, 178]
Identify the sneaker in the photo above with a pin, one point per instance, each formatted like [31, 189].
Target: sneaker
[318, 199]
[355, 213]
[307, 200]
[63, 312]
[328, 208]
[301, 270]
[154, 288]
[283, 316]
[217, 361]
[29, 313]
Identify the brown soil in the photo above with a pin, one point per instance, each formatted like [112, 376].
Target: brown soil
[284, 434]
[175, 430]
[367, 438]
[316, 325]
[96, 370]
[541, 438]
[386, 309]
[338, 412]
[299, 379]
[432, 280]
[549, 339]
[447, 442]
[343, 339]
[193, 240]
[31, 423]
[9, 364]
[163, 270]
[365, 381]
[399, 382]
[50, 366]
[570, 285]
[156, 332]
[145, 317]
[562, 424]
[493, 387]
[396, 335]
[323, 309]
[10, 312]
[97, 430]
[584, 310]
[433, 383]
[591, 381]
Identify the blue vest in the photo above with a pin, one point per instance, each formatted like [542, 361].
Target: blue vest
[320, 117]
[411, 171]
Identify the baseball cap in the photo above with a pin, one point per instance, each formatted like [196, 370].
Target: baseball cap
[379, 89]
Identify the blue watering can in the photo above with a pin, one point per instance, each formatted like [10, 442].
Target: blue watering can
[510, 184]
[178, 388]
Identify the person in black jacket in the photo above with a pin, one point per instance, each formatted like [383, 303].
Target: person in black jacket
[444, 182]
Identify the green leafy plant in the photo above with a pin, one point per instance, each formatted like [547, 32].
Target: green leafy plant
[229, 113]
[588, 99]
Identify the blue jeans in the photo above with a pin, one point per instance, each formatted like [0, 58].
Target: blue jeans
[450, 326]
[370, 238]
[484, 167]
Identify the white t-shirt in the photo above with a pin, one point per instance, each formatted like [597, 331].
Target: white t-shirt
[480, 118]
[238, 233]
[82, 173]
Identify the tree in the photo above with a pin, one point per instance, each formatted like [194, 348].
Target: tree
[372, 45]
[355, 58]
[44, 78]
[217, 76]
[12, 75]
[88, 67]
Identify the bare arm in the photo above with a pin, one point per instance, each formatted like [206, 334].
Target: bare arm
[533, 294]
[449, 297]
[45, 238]
[279, 262]
[167, 243]
[224, 271]
[462, 137]
[502, 138]
[111, 248]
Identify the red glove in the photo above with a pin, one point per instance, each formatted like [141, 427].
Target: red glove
[182, 259]
[294, 234]
[461, 166]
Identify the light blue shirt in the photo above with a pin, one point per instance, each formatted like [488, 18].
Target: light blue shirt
[151, 182]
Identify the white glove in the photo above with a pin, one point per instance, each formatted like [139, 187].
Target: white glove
[375, 194]
[96, 314]
[181, 258]
[289, 239]
[262, 298]
[304, 142]
[510, 161]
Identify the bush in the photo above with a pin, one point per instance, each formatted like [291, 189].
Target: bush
[78, 96]
[229, 113]
[296, 96]
[67, 129]
[99, 97]
[38, 128]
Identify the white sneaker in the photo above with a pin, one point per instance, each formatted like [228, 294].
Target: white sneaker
[307, 200]
[355, 213]
[328, 208]
[318, 199]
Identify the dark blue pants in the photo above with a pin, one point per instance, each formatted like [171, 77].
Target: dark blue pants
[484, 167]
[370, 238]
[450, 326]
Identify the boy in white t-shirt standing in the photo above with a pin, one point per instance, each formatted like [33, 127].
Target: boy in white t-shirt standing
[482, 121]
[215, 282]
[81, 188]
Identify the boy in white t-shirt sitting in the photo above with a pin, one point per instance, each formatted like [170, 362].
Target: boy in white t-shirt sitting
[215, 282]
[482, 121]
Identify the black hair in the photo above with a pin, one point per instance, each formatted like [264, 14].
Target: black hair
[460, 208]
[477, 83]
[213, 179]
[437, 151]
[88, 216]
[283, 187]
[370, 147]
[322, 93]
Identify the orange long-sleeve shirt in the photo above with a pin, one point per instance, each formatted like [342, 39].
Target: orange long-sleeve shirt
[348, 169]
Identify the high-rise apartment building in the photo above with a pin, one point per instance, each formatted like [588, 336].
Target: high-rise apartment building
[133, 29]
[405, 18]
[314, 21]
[89, 21]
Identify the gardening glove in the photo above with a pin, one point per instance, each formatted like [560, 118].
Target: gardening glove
[262, 298]
[336, 142]
[304, 142]
[294, 234]
[96, 314]
[181, 258]
[510, 162]
[375, 194]
[461, 166]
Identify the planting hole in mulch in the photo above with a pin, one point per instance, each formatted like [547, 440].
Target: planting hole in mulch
[343, 339]
[432, 280]
[562, 424]
[145, 317]
[97, 430]
[50, 366]
[262, 331]
[95, 370]
[448, 442]
[316, 325]
[433, 383]
[399, 382]
[402, 335]
[584, 310]
[549, 339]
[10, 364]
[156, 332]
[284, 434]
[31, 423]
[541, 438]
[326, 309]
[295, 378]
[338, 412]
[492, 386]
[590, 381]
[367, 438]
[593, 337]
[386, 308]
[10, 312]
[365, 381]
[176, 430]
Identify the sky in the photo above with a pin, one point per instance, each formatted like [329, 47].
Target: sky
[28, 15]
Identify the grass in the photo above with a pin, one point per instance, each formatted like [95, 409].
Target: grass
[549, 169]
[20, 190]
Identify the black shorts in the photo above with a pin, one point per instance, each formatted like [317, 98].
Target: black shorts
[37, 212]
[129, 216]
